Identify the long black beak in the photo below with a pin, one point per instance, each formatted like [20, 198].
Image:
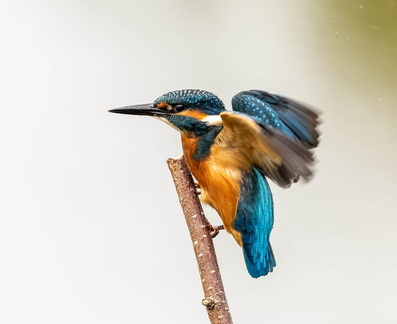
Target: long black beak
[144, 110]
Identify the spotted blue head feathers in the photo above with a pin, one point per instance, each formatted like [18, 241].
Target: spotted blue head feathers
[194, 99]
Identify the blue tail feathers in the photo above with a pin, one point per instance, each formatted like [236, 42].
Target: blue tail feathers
[262, 265]
[254, 220]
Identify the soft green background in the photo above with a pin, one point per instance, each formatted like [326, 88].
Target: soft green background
[91, 229]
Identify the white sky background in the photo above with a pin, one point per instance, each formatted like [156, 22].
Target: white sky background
[91, 228]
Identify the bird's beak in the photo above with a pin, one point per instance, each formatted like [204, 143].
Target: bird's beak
[144, 110]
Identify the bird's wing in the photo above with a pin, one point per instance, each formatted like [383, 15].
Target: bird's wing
[287, 116]
[278, 156]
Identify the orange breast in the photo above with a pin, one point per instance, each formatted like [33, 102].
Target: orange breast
[219, 176]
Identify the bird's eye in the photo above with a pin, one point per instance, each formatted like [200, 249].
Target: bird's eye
[179, 107]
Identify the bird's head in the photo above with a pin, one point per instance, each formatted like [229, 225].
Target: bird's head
[179, 107]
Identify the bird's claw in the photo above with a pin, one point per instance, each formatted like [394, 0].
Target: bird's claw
[215, 230]
[197, 188]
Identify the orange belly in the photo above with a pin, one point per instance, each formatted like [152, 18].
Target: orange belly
[219, 176]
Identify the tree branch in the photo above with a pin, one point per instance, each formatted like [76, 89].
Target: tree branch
[200, 232]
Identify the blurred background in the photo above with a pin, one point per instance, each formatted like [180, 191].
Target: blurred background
[91, 228]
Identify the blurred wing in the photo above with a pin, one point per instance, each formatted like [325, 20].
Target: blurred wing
[283, 114]
[278, 156]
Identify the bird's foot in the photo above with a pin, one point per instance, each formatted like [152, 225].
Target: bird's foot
[215, 230]
[197, 188]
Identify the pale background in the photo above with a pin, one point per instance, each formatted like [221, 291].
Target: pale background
[91, 229]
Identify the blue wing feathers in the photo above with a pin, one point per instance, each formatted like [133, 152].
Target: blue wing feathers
[254, 220]
[286, 115]
[260, 110]
[290, 129]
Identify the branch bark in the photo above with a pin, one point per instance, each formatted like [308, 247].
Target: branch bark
[200, 232]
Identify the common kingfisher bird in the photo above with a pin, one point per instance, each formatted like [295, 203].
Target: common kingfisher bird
[231, 153]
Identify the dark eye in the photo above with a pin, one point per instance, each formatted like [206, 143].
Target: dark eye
[179, 107]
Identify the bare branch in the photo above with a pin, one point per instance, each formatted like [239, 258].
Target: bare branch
[200, 231]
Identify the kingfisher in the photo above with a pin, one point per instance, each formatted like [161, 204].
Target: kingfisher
[233, 153]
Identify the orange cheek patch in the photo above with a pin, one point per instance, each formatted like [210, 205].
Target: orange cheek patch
[193, 113]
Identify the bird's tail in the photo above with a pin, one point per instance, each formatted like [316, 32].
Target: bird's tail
[259, 265]
[254, 220]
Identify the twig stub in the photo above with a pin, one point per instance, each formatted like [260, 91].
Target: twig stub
[209, 303]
